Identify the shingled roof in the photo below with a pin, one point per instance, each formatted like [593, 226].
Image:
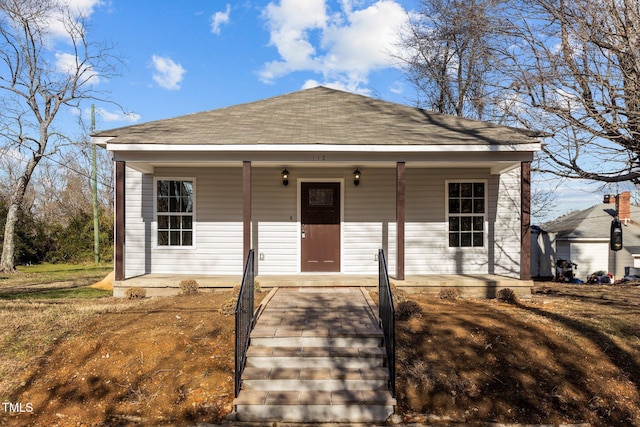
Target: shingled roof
[594, 223]
[319, 116]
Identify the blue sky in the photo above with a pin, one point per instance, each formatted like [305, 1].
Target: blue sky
[189, 56]
[182, 57]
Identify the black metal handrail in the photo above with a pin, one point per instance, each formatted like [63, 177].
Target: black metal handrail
[244, 319]
[386, 313]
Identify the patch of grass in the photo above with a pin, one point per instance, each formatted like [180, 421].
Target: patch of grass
[63, 268]
[83, 292]
[77, 274]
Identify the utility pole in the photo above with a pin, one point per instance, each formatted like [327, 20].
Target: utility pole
[94, 188]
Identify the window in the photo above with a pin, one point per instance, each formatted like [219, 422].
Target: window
[466, 213]
[174, 209]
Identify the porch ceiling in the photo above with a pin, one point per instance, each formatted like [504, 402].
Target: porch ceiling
[495, 167]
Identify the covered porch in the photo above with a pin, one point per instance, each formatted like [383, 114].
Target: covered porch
[468, 285]
[316, 182]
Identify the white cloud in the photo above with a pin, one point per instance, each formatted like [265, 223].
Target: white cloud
[68, 64]
[118, 116]
[57, 23]
[366, 40]
[344, 46]
[344, 85]
[83, 7]
[167, 74]
[220, 18]
[290, 25]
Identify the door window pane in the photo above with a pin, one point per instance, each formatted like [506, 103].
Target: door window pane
[320, 197]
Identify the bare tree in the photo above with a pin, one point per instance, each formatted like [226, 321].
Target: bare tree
[575, 70]
[451, 58]
[38, 84]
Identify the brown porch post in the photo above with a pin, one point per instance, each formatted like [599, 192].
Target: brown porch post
[119, 220]
[246, 207]
[525, 208]
[400, 216]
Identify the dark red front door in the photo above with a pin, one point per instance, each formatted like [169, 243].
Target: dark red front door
[320, 217]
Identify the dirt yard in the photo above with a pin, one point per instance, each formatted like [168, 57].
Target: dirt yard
[570, 355]
[165, 361]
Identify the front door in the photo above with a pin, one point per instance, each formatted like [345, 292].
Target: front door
[320, 231]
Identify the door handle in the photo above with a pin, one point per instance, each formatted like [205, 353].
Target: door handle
[303, 234]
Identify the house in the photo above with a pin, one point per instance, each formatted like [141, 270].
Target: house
[584, 238]
[316, 181]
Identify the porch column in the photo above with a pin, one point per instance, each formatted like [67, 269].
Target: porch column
[246, 208]
[400, 216]
[119, 220]
[525, 223]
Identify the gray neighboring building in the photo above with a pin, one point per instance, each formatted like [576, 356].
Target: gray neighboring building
[583, 238]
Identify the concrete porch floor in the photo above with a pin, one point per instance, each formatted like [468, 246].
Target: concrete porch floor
[468, 285]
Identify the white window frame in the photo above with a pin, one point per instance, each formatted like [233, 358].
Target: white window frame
[484, 214]
[156, 213]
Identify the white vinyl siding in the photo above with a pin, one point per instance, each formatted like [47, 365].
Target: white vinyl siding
[427, 248]
[504, 225]
[217, 247]
[274, 221]
[139, 197]
[368, 222]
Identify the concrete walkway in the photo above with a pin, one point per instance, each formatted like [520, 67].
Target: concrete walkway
[317, 312]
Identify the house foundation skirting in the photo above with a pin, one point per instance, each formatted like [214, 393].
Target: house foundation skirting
[468, 286]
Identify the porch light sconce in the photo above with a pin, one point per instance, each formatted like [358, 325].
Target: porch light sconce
[285, 177]
[356, 177]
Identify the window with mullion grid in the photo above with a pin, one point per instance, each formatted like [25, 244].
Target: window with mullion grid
[466, 213]
[174, 210]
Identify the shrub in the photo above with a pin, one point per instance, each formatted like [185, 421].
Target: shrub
[135, 293]
[407, 309]
[228, 308]
[449, 294]
[188, 287]
[507, 295]
[398, 295]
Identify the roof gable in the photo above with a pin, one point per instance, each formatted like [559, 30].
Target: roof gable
[319, 116]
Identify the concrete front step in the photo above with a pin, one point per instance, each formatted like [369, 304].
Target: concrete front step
[315, 406]
[317, 341]
[321, 379]
[316, 337]
[315, 357]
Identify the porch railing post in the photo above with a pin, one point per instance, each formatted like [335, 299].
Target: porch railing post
[386, 313]
[244, 320]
